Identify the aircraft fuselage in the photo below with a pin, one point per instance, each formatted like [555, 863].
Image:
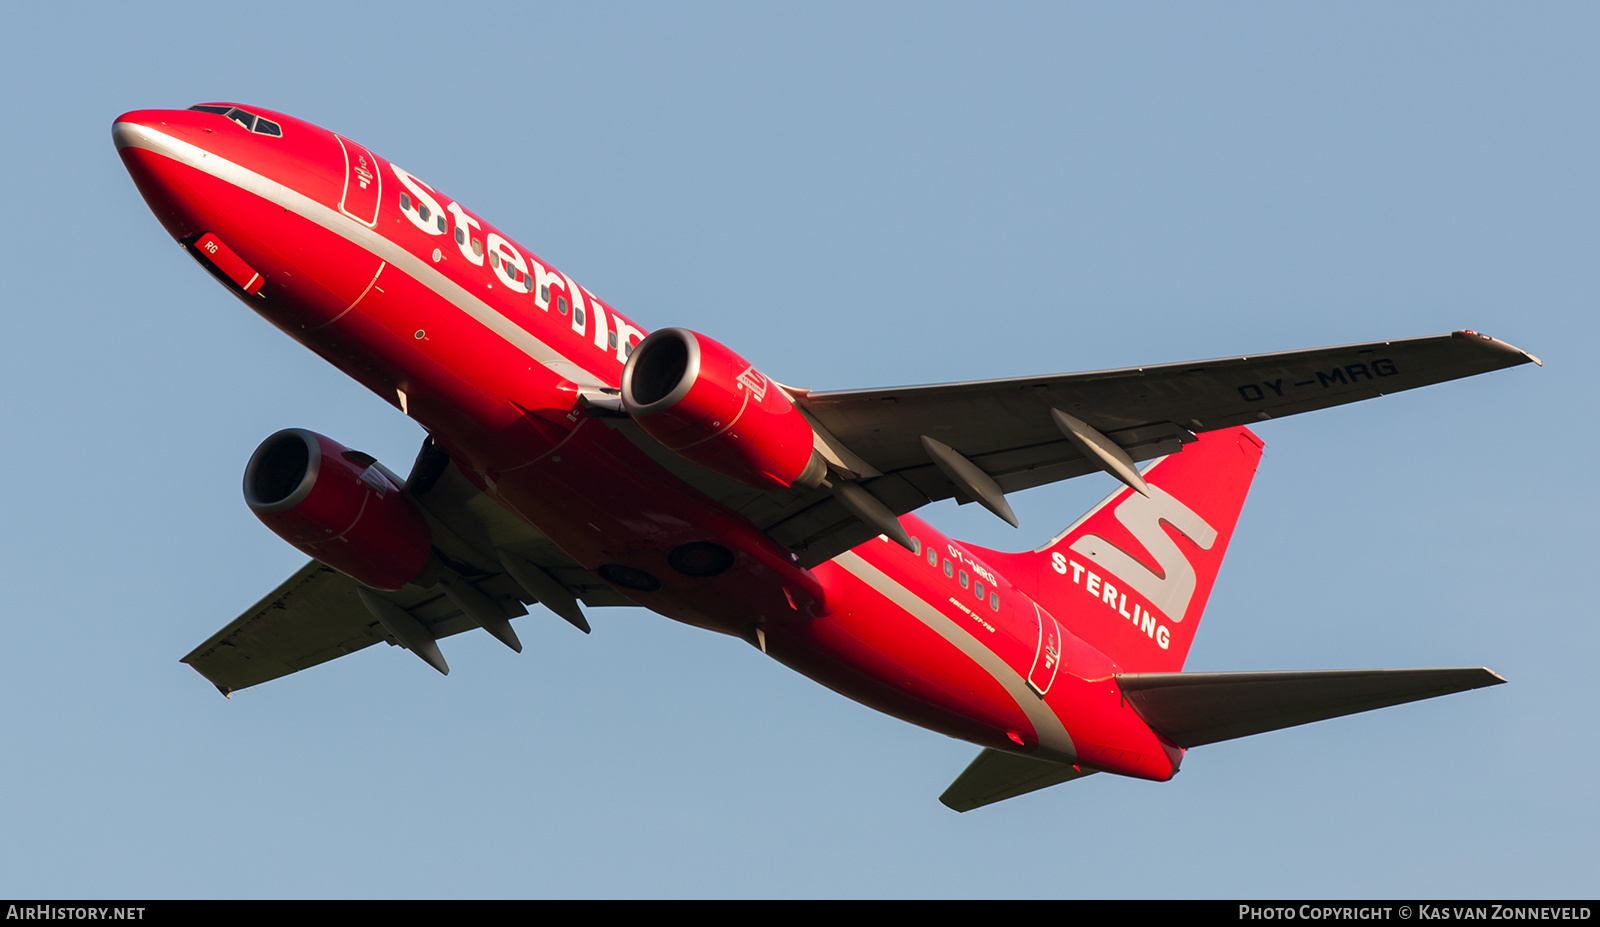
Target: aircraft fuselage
[490, 350]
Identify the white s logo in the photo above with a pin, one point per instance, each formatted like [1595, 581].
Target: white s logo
[1171, 589]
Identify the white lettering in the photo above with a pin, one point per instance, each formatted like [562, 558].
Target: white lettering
[627, 336]
[420, 192]
[579, 316]
[1145, 517]
[509, 258]
[543, 280]
[601, 330]
[465, 225]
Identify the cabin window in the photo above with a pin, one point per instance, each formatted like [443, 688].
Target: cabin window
[461, 236]
[405, 201]
[578, 316]
[612, 338]
[949, 569]
[442, 226]
[494, 259]
[561, 304]
[477, 246]
[994, 600]
[916, 546]
[977, 589]
[424, 211]
[933, 557]
[544, 294]
[964, 579]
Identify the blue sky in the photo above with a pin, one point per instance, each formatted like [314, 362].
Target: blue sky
[849, 195]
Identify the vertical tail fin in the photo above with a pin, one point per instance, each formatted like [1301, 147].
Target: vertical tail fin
[1132, 577]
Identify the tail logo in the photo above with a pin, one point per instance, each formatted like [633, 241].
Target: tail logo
[1171, 589]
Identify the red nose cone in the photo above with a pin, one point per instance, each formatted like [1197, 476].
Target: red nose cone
[139, 136]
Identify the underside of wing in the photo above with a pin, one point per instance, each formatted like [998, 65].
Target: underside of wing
[1013, 432]
[313, 617]
[1005, 426]
[319, 614]
[1194, 709]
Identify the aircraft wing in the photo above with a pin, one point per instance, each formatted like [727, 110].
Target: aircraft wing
[996, 776]
[317, 614]
[1005, 427]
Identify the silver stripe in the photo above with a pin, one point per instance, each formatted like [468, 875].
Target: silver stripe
[1053, 736]
[133, 135]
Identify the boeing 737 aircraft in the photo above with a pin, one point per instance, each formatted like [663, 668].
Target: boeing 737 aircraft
[575, 460]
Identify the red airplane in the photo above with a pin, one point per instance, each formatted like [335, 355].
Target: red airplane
[572, 457]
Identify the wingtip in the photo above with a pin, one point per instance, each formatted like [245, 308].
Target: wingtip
[226, 691]
[1471, 333]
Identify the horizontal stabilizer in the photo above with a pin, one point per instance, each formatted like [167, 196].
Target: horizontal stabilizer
[996, 776]
[1194, 709]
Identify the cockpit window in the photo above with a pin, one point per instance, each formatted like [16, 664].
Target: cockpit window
[249, 120]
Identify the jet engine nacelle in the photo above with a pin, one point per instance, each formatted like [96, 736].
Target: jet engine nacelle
[338, 506]
[711, 406]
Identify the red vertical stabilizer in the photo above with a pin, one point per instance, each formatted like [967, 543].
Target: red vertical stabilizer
[1132, 577]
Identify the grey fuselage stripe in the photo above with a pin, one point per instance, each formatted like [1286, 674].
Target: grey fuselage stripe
[1054, 741]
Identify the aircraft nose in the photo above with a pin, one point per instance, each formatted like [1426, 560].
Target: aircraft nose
[131, 128]
[147, 140]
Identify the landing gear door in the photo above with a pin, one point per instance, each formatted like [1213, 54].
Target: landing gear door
[363, 184]
[1047, 658]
